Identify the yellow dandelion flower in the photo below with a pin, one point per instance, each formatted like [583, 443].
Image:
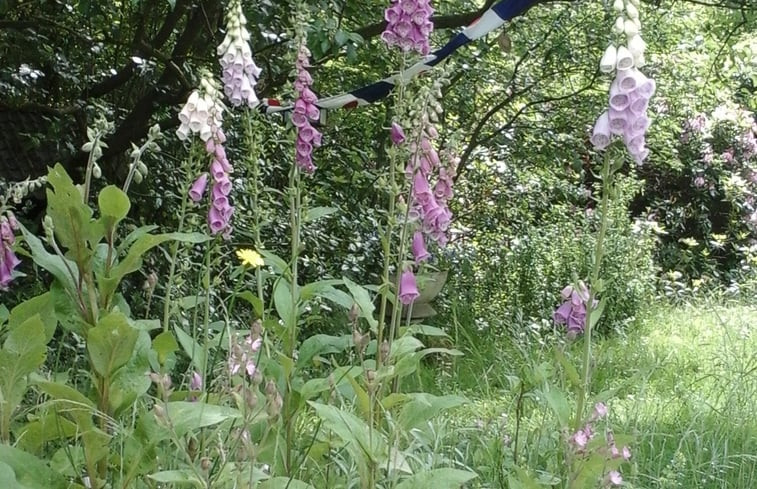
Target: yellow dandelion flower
[250, 258]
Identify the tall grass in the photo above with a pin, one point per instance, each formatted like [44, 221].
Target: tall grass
[683, 384]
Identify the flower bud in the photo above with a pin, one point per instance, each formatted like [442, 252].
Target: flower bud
[607, 63]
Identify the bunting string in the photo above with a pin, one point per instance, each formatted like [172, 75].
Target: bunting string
[491, 20]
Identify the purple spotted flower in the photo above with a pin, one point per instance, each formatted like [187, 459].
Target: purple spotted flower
[572, 312]
[8, 259]
[305, 111]
[396, 134]
[409, 25]
[408, 287]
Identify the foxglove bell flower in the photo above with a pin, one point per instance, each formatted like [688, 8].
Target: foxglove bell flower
[572, 312]
[396, 134]
[408, 287]
[305, 111]
[8, 259]
[198, 188]
[240, 74]
[409, 25]
[419, 248]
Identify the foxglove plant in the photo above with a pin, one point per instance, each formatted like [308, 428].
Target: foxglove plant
[240, 74]
[304, 112]
[203, 114]
[630, 91]
[409, 25]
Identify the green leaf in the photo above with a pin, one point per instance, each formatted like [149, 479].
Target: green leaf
[110, 344]
[113, 203]
[41, 305]
[59, 267]
[352, 431]
[133, 259]
[30, 471]
[559, 404]
[192, 348]
[279, 265]
[253, 300]
[284, 483]
[423, 407]
[164, 344]
[130, 382]
[363, 301]
[184, 477]
[438, 479]
[568, 368]
[596, 314]
[318, 212]
[188, 416]
[71, 217]
[23, 353]
[8, 478]
[321, 288]
[282, 300]
[322, 344]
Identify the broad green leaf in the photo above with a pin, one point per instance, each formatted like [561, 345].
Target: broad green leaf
[192, 348]
[164, 345]
[63, 269]
[318, 212]
[30, 471]
[596, 314]
[71, 217]
[438, 479]
[363, 445]
[322, 344]
[522, 480]
[282, 300]
[46, 428]
[130, 382]
[284, 483]
[363, 301]
[313, 387]
[253, 300]
[133, 259]
[113, 203]
[184, 477]
[568, 368]
[126, 243]
[41, 305]
[423, 407]
[8, 478]
[110, 344]
[559, 405]
[321, 288]
[188, 416]
[279, 265]
[23, 353]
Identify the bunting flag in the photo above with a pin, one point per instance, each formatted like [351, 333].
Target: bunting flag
[492, 19]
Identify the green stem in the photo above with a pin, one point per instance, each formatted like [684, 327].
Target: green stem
[593, 284]
[175, 247]
[390, 226]
[253, 159]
